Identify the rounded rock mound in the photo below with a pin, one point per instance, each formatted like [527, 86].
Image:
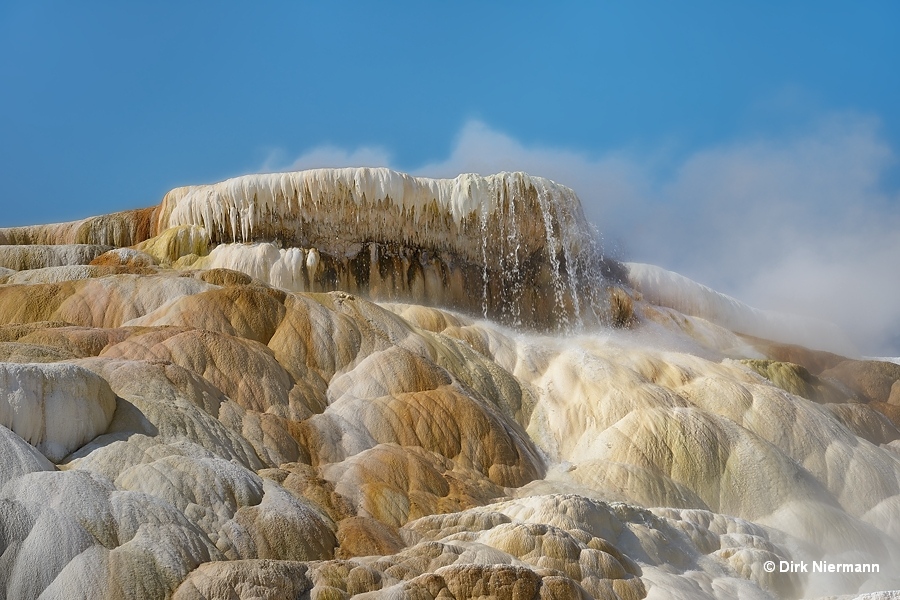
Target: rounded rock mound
[57, 408]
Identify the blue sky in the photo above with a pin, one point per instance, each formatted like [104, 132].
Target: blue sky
[671, 120]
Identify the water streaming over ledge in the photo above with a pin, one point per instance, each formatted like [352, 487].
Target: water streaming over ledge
[510, 246]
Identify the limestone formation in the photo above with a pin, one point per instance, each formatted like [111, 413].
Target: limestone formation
[357, 383]
[19, 258]
[56, 408]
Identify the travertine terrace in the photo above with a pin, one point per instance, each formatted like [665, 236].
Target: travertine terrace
[354, 382]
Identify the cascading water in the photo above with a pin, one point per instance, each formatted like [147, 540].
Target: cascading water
[510, 270]
[484, 270]
[521, 240]
[552, 251]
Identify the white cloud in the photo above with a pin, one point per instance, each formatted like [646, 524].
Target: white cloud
[799, 224]
[604, 184]
[329, 157]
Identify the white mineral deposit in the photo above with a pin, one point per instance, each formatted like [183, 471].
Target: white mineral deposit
[356, 382]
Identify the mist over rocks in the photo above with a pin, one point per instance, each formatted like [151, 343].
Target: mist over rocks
[670, 289]
[354, 382]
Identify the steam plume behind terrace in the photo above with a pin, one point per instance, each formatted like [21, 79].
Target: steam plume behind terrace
[804, 223]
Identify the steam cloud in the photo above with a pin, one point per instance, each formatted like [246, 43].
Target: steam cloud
[801, 224]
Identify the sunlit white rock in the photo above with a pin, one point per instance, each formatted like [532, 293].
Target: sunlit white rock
[57, 408]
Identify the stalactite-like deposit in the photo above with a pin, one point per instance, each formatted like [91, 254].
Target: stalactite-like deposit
[509, 247]
[521, 243]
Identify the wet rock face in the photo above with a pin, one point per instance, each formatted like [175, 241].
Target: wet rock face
[218, 415]
[496, 219]
[531, 295]
[509, 247]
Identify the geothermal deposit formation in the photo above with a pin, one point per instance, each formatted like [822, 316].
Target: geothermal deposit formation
[358, 383]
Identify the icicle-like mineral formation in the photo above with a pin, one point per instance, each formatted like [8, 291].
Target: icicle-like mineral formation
[509, 246]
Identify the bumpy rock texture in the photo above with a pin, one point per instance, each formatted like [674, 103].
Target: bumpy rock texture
[212, 409]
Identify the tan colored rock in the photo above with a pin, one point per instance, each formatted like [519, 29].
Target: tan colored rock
[504, 582]
[20, 258]
[246, 580]
[393, 484]
[627, 482]
[891, 411]
[242, 369]
[80, 342]
[125, 257]
[305, 482]
[245, 311]
[19, 352]
[867, 422]
[12, 332]
[165, 404]
[362, 536]
[281, 527]
[59, 274]
[445, 421]
[118, 229]
[871, 380]
[815, 361]
[97, 302]
[221, 277]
